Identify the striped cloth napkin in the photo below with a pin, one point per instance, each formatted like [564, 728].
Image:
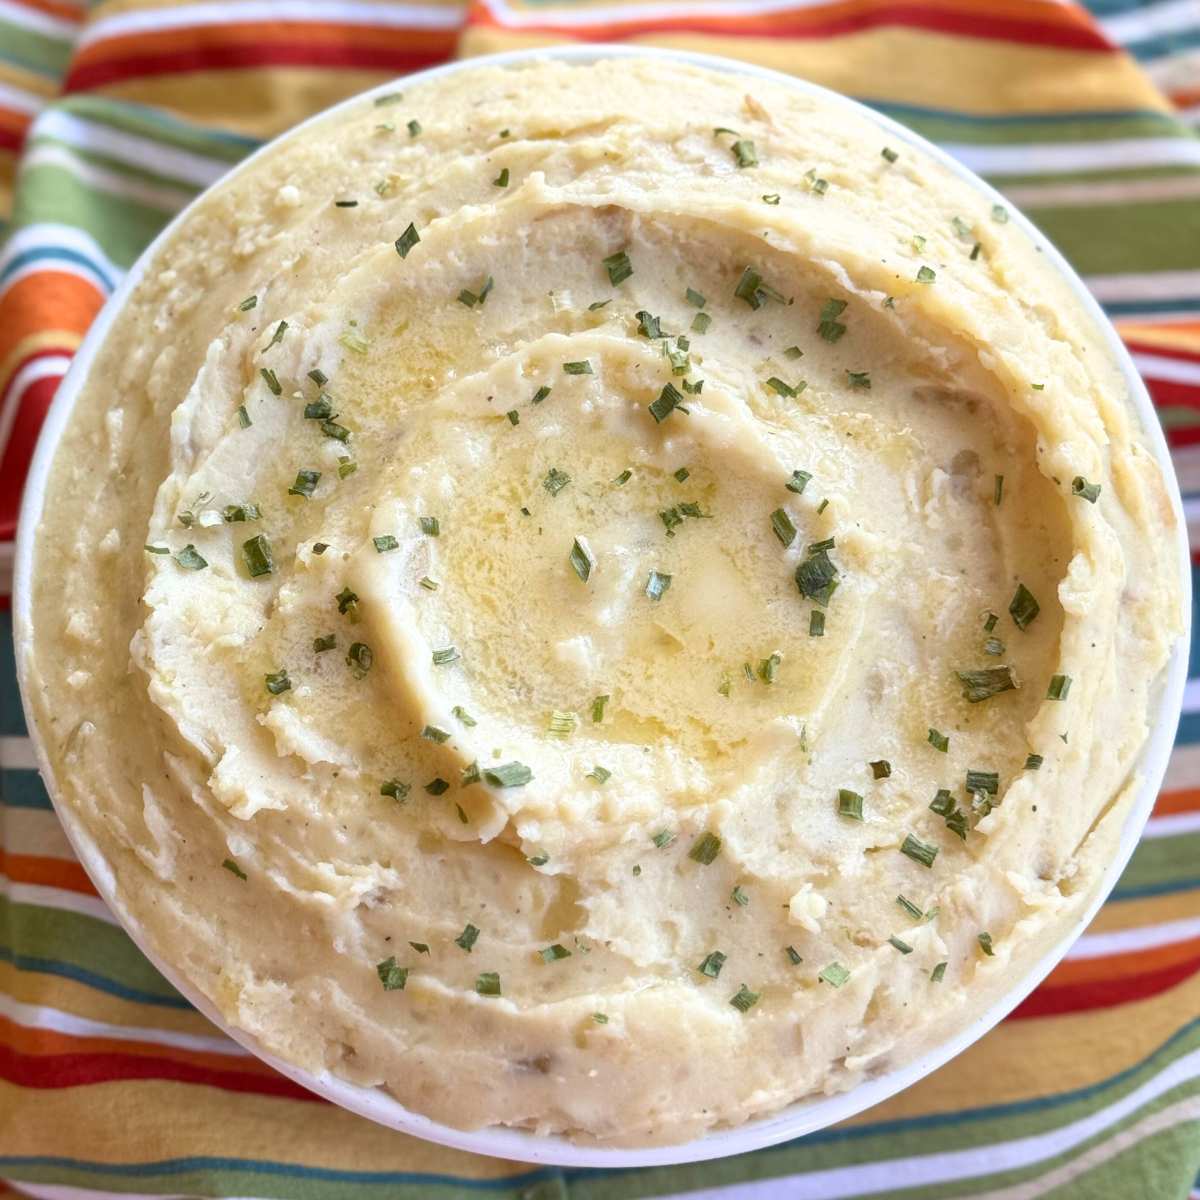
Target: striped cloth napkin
[114, 114]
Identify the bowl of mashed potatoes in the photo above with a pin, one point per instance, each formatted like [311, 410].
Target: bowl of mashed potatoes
[602, 606]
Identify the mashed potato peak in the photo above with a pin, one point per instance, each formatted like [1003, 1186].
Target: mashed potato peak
[628, 623]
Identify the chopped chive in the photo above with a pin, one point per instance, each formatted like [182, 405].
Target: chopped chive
[668, 400]
[993, 646]
[599, 774]
[257, 555]
[581, 367]
[656, 584]
[430, 585]
[562, 724]
[701, 323]
[320, 547]
[695, 298]
[278, 682]
[816, 577]
[829, 327]
[998, 491]
[1033, 762]
[420, 947]
[596, 305]
[824, 544]
[909, 907]
[414, 128]
[332, 429]
[744, 999]
[232, 514]
[705, 848]
[1060, 685]
[234, 869]
[157, 549]
[744, 152]
[598, 708]
[470, 774]
[554, 953]
[919, 851]
[437, 787]
[347, 602]
[999, 214]
[938, 973]
[501, 180]
[488, 984]
[271, 381]
[346, 466]
[771, 198]
[306, 483]
[798, 481]
[768, 669]
[407, 240]
[1089, 491]
[942, 803]
[396, 789]
[514, 417]
[976, 250]
[990, 623]
[816, 623]
[600, 1018]
[462, 715]
[243, 417]
[850, 804]
[555, 481]
[513, 774]
[834, 974]
[540, 395]
[582, 560]
[926, 275]
[327, 641]
[793, 955]
[247, 304]
[391, 976]
[778, 386]
[190, 559]
[433, 734]
[748, 288]
[619, 267]
[446, 655]
[359, 658]
[1023, 607]
[345, 204]
[902, 946]
[468, 938]
[985, 944]
[430, 526]
[983, 781]
[985, 683]
[649, 326]
[860, 380]
[712, 964]
[781, 523]
[277, 336]
[889, 154]
[939, 741]
[385, 543]
[881, 768]
[662, 839]
[822, 506]
[682, 474]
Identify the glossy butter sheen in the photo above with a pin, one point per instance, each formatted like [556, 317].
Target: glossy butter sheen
[357, 800]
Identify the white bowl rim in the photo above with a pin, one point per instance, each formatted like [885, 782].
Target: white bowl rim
[804, 1116]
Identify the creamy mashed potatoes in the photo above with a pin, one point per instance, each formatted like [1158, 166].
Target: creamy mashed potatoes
[605, 599]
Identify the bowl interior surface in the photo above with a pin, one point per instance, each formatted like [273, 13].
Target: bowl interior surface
[804, 1116]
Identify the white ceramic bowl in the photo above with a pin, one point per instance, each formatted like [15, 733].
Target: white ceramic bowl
[797, 1119]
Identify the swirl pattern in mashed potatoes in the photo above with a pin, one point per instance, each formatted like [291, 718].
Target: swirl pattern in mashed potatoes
[651, 599]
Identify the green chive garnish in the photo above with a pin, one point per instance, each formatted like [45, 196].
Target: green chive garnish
[437, 787]
[909, 907]
[793, 954]
[938, 973]
[1033, 762]
[712, 964]
[902, 946]
[247, 304]
[278, 682]
[430, 526]
[745, 154]
[554, 953]
[1023, 607]
[656, 584]
[694, 298]
[513, 774]
[1060, 685]
[618, 267]
[234, 869]
[395, 788]
[271, 381]
[986, 682]
[705, 848]
[889, 154]
[582, 367]
[798, 481]
[359, 658]
[939, 741]
[257, 555]
[306, 484]
[190, 559]
[744, 999]
[881, 768]
[407, 240]
[446, 655]
[999, 214]
[1089, 491]
[582, 560]
[662, 839]
[816, 623]
[829, 327]
[985, 944]
[860, 380]
[919, 851]
[781, 523]
[850, 804]
[501, 180]
[926, 275]
[277, 336]
[834, 974]
[326, 642]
